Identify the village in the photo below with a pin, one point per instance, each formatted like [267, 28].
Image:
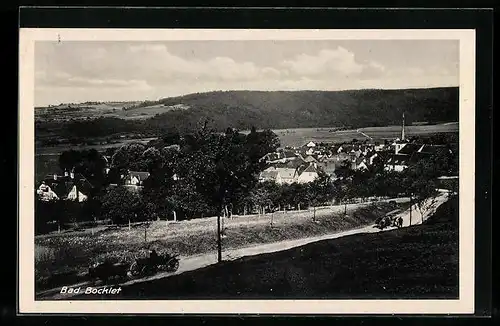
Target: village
[287, 165]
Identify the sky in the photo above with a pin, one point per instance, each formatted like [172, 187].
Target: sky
[80, 71]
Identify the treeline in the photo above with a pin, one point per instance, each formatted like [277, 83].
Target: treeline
[280, 109]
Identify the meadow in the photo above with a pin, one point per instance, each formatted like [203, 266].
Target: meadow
[417, 262]
[66, 256]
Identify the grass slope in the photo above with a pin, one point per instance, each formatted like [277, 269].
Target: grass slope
[64, 258]
[415, 262]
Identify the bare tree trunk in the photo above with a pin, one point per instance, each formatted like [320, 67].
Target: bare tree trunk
[299, 206]
[175, 216]
[219, 239]
[314, 213]
[244, 210]
[410, 208]
[129, 227]
[58, 227]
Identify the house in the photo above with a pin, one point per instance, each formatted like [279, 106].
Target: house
[306, 174]
[70, 186]
[269, 174]
[135, 179]
[282, 155]
[285, 175]
[397, 163]
[303, 173]
[359, 163]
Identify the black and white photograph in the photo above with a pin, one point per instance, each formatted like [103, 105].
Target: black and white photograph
[273, 171]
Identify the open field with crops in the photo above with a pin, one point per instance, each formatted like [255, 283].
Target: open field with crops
[65, 257]
[123, 110]
[301, 136]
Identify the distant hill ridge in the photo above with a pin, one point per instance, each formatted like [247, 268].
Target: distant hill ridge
[301, 109]
[289, 109]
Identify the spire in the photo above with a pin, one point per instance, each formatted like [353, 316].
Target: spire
[403, 128]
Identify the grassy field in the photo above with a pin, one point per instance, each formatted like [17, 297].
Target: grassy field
[301, 136]
[64, 257]
[112, 109]
[419, 262]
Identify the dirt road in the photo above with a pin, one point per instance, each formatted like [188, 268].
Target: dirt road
[418, 215]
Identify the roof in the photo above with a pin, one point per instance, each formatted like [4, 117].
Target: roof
[63, 184]
[269, 174]
[291, 164]
[431, 149]
[141, 175]
[398, 160]
[409, 149]
[286, 153]
[306, 168]
[310, 159]
[286, 173]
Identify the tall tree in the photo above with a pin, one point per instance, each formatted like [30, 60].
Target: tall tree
[219, 167]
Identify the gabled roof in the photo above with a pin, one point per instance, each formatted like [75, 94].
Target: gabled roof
[310, 159]
[409, 149]
[64, 184]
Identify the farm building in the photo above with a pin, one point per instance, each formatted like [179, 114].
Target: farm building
[70, 186]
[135, 179]
[304, 173]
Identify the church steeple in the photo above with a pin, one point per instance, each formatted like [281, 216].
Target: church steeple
[403, 128]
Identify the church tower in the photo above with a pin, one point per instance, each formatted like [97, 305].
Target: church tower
[403, 128]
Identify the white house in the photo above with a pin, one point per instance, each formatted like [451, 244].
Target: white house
[76, 195]
[45, 193]
[309, 174]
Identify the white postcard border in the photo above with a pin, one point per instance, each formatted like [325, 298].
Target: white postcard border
[26, 295]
